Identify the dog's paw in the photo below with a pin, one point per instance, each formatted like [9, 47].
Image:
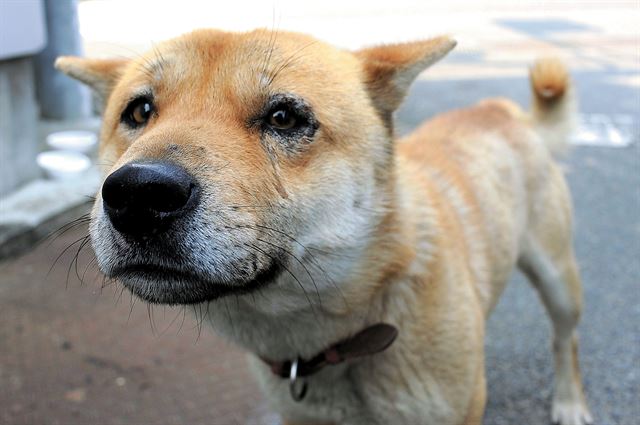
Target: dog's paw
[570, 413]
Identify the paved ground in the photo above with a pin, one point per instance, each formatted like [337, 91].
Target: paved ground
[76, 354]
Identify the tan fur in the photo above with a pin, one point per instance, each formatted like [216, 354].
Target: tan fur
[421, 232]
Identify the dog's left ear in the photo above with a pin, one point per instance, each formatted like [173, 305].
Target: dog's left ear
[390, 69]
[99, 74]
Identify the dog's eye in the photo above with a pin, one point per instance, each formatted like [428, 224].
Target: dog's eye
[281, 118]
[138, 112]
[288, 120]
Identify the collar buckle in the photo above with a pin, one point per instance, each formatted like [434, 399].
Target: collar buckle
[297, 386]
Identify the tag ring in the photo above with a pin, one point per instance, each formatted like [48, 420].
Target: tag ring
[297, 387]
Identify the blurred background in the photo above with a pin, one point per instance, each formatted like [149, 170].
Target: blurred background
[74, 351]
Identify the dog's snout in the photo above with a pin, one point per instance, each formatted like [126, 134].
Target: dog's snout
[146, 197]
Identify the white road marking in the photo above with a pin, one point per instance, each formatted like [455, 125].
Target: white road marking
[615, 131]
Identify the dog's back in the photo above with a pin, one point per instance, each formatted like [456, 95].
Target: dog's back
[490, 173]
[493, 163]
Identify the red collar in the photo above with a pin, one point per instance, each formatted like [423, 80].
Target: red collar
[371, 340]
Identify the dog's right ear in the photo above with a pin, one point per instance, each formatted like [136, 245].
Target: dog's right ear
[390, 69]
[99, 74]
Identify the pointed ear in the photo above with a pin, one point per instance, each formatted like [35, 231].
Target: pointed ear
[390, 69]
[99, 74]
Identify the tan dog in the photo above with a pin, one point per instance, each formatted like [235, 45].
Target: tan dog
[257, 173]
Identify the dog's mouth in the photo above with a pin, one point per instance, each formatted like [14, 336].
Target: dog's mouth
[167, 285]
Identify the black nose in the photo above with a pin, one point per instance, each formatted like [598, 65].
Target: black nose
[146, 197]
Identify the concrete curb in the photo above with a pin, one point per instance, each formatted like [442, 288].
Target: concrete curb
[41, 207]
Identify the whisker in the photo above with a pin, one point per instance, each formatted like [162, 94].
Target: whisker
[170, 323]
[299, 262]
[198, 314]
[132, 303]
[106, 281]
[74, 261]
[63, 252]
[226, 306]
[55, 234]
[306, 295]
[206, 314]
[272, 42]
[93, 261]
[184, 316]
[200, 320]
[122, 288]
[280, 232]
[247, 206]
[150, 316]
[313, 259]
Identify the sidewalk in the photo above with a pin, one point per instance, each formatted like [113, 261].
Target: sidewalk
[79, 354]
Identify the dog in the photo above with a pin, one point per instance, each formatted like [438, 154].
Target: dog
[258, 174]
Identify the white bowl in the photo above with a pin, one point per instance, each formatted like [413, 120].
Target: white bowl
[63, 165]
[74, 140]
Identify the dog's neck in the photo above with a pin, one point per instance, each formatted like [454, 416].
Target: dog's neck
[351, 307]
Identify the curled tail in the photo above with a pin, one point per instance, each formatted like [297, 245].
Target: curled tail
[553, 108]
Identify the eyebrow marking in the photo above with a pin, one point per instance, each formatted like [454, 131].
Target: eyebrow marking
[153, 67]
[289, 61]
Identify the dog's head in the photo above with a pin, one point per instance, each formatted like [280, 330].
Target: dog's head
[238, 162]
